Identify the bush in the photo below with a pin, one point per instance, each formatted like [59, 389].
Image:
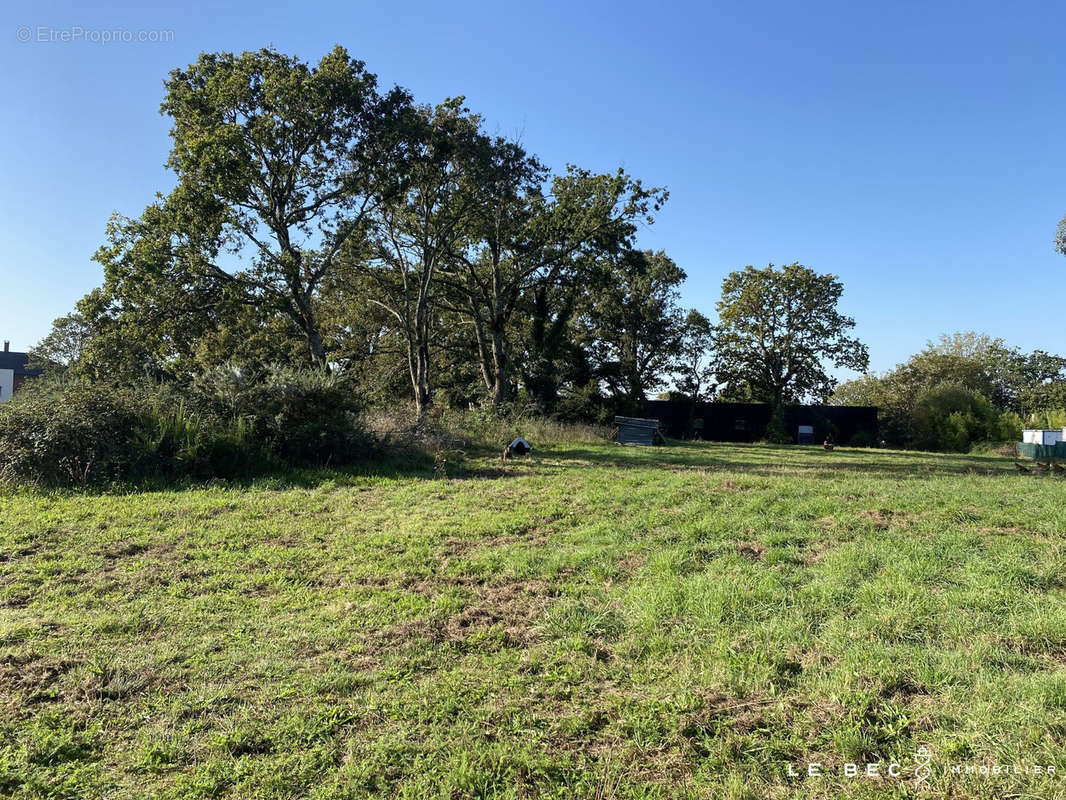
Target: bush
[68, 434]
[229, 423]
[776, 429]
[1048, 418]
[951, 417]
[175, 441]
[587, 404]
[297, 417]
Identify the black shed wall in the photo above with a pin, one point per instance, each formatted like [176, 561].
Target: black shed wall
[746, 422]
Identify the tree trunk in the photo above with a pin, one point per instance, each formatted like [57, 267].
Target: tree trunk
[695, 387]
[418, 344]
[499, 391]
[317, 348]
[420, 383]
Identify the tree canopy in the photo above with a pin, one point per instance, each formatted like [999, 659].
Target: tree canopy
[319, 221]
[777, 329]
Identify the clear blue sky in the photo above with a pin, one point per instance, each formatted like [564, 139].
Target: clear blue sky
[914, 149]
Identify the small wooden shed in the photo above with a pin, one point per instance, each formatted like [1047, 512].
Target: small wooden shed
[634, 430]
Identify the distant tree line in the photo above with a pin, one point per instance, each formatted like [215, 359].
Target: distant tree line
[963, 389]
[321, 222]
[330, 245]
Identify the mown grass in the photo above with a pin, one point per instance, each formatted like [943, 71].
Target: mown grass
[594, 622]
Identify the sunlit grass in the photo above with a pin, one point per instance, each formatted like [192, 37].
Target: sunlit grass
[595, 621]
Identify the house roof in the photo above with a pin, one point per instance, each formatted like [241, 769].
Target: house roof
[17, 362]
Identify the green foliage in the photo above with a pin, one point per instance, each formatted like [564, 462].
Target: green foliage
[1009, 427]
[951, 417]
[1046, 419]
[697, 364]
[296, 417]
[75, 432]
[1011, 379]
[318, 220]
[175, 441]
[776, 430]
[631, 322]
[776, 328]
[277, 164]
[1021, 389]
[62, 348]
[586, 403]
[493, 427]
[68, 434]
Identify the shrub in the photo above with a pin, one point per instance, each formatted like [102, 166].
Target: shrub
[776, 430]
[587, 404]
[297, 417]
[229, 423]
[68, 434]
[175, 441]
[950, 416]
[1048, 418]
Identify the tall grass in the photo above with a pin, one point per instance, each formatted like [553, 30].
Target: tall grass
[495, 428]
[177, 439]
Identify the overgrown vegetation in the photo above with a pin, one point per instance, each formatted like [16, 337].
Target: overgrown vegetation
[230, 422]
[331, 245]
[596, 621]
[965, 390]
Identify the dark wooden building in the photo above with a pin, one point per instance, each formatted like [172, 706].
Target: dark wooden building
[747, 422]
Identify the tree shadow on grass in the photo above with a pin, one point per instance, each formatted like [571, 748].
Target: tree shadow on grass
[483, 463]
[782, 460]
[756, 459]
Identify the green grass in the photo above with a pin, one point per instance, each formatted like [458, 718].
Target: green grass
[595, 622]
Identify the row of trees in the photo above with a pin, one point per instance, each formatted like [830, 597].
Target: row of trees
[965, 388]
[320, 221]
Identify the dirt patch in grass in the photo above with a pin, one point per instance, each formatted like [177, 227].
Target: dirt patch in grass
[721, 712]
[814, 551]
[504, 612]
[126, 550]
[21, 551]
[824, 714]
[512, 607]
[902, 688]
[632, 563]
[31, 678]
[756, 551]
[880, 518]
[153, 562]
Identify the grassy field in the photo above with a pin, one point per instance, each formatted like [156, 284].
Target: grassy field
[689, 621]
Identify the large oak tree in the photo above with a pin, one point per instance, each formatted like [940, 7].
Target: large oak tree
[279, 164]
[777, 330]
